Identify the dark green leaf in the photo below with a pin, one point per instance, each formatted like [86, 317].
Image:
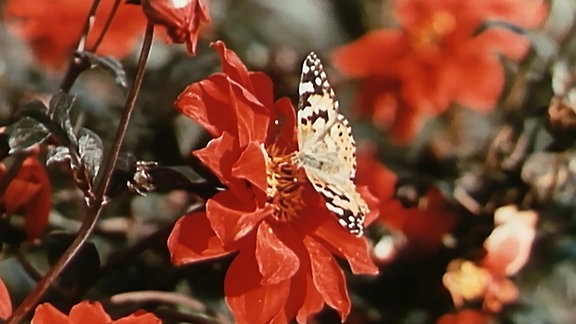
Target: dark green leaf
[25, 133]
[58, 155]
[35, 109]
[91, 149]
[109, 64]
[60, 106]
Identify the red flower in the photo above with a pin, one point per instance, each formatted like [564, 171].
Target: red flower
[5, 302]
[87, 313]
[507, 251]
[423, 226]
[466, 316]
[29, 191]
[436, 58]
[51, 28]
[508, 246]
[285, 237]
[182, 19]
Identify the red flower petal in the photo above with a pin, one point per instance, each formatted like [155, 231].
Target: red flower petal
[502, 41]
[232, 219]
[312, 302]
[328, 277]
[195, 99]
[219, 156]
[30, 190]
[372, 54]
[232, 66]
[53, 37]
[251, 166]
[285, 136]
[47, 314]
[481, 81]
[222, 105]
[466, 316]
[250, 300]
[86, 312]
[139, 317]
[182, 20]
[192, 239]
[276, 261]
[525, 13]
[354, 249]
[5, 301]
[509, 245]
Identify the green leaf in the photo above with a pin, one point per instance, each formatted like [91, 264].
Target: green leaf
[91, 149]
[58, 155]
[60, 106]
[109, 64]
[26, 133]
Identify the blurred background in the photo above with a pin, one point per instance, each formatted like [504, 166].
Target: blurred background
[460, 166]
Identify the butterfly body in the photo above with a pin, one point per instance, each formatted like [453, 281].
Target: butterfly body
[327, 151]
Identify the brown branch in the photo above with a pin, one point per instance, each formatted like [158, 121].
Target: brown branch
[102, 186]
[166, 297]
[95, 206]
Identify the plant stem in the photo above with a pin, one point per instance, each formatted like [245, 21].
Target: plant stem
[78, 64]
[102, 186]
[107, 24]
[95, 206]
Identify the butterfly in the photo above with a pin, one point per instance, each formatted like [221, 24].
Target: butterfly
[326, 147]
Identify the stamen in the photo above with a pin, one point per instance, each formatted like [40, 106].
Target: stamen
[434, 29]
[285, 181]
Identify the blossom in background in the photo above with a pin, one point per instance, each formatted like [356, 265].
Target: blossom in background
[285, 238]
[507, 251]
[509, 245]
[87, 313]
[437, 56]
[29, 192]
[5, 301]
[182, 19]
[465, 316]
[423, 226]
[52, 28]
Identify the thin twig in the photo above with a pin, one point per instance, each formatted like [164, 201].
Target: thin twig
[78, 64]
[102, 186]
[95, 207]
[107, 24]
[167, 297]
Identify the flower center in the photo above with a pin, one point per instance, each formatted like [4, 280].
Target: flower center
[285, 181]
[434, 29]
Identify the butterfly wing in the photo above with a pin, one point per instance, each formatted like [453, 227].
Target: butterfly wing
[327, 150]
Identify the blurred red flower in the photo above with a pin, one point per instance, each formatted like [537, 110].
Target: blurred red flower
[5, 301]
[465, 316]
[436, 57]
[88, 313]
[507, 251]
[182, 19]
[52, 28]
[509, 245]
[285, 238]
[424, 225]
[30, 192]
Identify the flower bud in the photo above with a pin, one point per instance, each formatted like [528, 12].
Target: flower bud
[182, 19]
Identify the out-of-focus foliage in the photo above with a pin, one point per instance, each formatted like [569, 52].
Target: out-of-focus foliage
[443, 173]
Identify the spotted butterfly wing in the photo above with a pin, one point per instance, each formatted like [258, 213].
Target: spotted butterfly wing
[327, 150]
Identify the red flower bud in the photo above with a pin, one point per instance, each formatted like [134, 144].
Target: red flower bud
[182, 19]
